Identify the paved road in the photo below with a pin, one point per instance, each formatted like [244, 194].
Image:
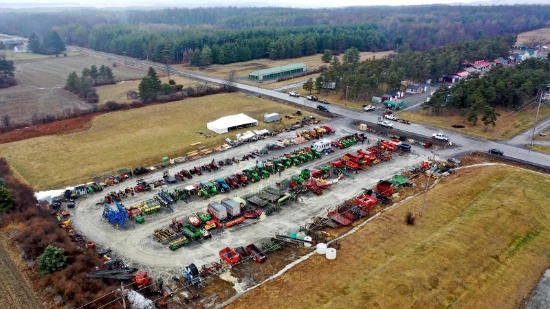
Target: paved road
[511, 148]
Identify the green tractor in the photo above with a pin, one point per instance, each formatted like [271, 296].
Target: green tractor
[262, 171]
[212, 189]
[308, 156]
[304, 174]
[303, 158]
[315, 153]
[270, 168]
[203, 193]
[295, 160]
[251, 174]
[286, 162]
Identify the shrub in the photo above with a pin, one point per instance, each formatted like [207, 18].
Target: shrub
[51, 260]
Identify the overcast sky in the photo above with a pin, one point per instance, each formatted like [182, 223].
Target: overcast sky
[197, 3]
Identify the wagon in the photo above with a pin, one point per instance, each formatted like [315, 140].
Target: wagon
[230, 256]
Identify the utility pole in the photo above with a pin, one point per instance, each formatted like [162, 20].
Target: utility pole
[426, 192]
[123, 296]
[536, 117]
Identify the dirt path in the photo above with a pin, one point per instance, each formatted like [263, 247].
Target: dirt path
[14, 291]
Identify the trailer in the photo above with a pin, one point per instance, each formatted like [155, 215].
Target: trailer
[257, 201]
[233, 208]
[217, 210]
[256, 253]
[384, 187]
[230, 256]
[341, 216]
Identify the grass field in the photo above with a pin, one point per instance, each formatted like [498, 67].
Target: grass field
[118, 91]
[11, 55]
[542, 35]
[39, 92]
[131, 138]
[509, 123]
[243, 68]
[14, 291]
[540, 148]
[481, 243]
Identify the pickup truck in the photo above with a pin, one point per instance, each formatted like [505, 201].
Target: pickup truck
[440, 136]
[369, 108]
[294, 94]
[312, 98]
[391, 117]
[386, 124]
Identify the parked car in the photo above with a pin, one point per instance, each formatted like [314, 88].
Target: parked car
[294, 94]
[404, 147]
[312, 98]
[322, 108]
[386, 124]
[496, 151]
[440, 136]
[391, 117]
[323, 101]
[455, 161]
[369, 108]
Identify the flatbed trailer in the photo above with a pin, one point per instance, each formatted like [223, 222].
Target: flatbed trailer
[257, 201]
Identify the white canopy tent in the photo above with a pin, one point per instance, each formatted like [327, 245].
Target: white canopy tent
[233, 122]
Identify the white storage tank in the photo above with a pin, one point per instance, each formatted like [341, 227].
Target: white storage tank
[331, 253]
[321, 248]
[308, 240]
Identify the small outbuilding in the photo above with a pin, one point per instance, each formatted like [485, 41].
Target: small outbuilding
[233, 122]
[271, 117]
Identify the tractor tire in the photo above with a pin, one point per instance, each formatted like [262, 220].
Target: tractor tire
[262, 177]
[222, 190]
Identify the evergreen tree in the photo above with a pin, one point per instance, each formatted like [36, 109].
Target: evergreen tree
[150, 86]
[86, 72]
[206, 56]
[6, 200]
[72, 82]
[319, 83]
[51, 260]
[327, 56]
[52, 44]
[308, 85]
[94, 73]
[34, 43]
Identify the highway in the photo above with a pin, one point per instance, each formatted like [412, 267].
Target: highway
[513, 148]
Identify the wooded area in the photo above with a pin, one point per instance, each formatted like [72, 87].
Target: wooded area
[361, 80]
[223, 35]
[511, 87]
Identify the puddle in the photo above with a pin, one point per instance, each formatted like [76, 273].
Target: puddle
[228, 277]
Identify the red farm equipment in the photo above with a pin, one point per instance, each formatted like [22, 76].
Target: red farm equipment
[384, 187]
[230, 256]
[256, 253]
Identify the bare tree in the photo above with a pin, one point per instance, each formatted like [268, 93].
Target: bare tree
[6, 120]
[533, 41]
[229, 81]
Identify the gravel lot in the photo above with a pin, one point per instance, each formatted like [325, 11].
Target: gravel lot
[137, 246]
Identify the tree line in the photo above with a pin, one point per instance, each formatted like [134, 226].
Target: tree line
[360, 80]
[83, 86]
[505, 87]
[225, 35]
